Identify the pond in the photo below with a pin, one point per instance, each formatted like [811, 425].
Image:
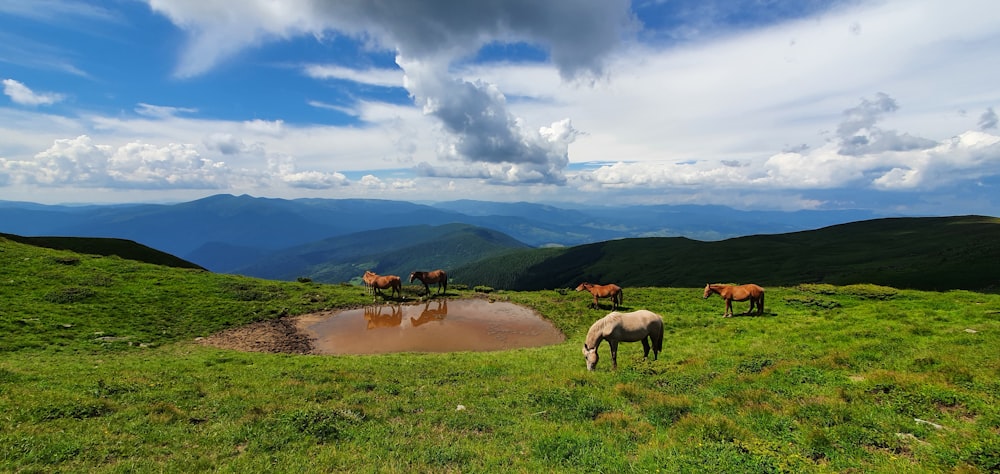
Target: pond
[435, 326]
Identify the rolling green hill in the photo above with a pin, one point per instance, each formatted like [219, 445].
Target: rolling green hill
[105, 246]
[920, 253]
[389, 251]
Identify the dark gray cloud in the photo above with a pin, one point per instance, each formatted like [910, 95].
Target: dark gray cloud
[988, 120]
[578, 34]
[865, 115]
[859, 134]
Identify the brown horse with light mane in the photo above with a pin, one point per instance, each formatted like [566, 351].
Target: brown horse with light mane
[436, 276]
[375, 318]
[732, 293]
[377, 283]
[642, 325]
[612, 291]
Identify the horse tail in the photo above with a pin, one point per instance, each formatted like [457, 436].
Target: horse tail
[657, 338]
[760, 307]
[658, 341]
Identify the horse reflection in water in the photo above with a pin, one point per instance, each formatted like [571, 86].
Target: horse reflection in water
[427, 315]
[375, 318]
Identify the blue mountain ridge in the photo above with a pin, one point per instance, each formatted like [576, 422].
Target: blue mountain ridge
[226, 232]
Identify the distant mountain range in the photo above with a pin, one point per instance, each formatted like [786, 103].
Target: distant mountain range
[226, 233]
[941, 253]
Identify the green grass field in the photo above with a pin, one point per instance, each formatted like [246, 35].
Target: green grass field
[100, 372]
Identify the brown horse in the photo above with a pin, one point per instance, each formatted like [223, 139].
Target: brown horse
[642, 325]
[377, 283]
[612, 291]
[732, 293]
[436, 276]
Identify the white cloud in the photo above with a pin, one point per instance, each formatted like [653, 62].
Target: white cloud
[21, 94]
[160, 111]
[81, 162]
[314, 180]
[376, 77]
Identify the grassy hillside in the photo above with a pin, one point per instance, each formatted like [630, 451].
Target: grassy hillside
[100, 373]
[394, 250]
[919, 253]
[104, 246]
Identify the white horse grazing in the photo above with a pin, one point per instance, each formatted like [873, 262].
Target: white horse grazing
[642, 325]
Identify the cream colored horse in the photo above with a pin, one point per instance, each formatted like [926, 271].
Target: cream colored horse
[642, 325]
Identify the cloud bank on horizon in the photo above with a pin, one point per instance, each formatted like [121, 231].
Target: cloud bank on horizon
[882, 105]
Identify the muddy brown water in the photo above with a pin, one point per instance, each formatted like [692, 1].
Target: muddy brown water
[434, 326]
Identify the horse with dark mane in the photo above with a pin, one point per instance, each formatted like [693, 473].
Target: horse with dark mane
[612, 291]
[428, 314]
[377, 283]
[436, 276]
[732, 293]
[642, 325]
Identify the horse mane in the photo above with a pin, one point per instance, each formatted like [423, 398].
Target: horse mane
[600, 329]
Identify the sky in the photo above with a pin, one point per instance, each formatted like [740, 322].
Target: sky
[889, 106]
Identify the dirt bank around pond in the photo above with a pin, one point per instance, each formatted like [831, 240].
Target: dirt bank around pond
[280, 335]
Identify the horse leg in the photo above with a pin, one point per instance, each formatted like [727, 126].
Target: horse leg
[614, 354]
[645, 348]
[729, 308]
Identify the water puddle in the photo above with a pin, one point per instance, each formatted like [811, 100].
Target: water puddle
[435, 326]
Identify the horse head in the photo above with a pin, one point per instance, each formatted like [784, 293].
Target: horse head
[591, 356]
[412, 276]
[708, 290]
[583, 286]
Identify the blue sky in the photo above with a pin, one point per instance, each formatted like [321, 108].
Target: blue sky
[783, 104]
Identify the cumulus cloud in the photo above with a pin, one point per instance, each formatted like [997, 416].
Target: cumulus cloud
[81, 162]
[275, 128]
[21, 94]
[482, 133]
[283, 167]
[863, 156]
